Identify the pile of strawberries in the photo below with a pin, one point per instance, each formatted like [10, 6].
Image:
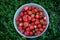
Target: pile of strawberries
[31, 21]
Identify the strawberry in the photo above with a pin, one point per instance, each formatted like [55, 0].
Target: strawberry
[35, 10]
[36, 29]
[28, 29]
[37, 16]
[40, 17]
[35, 26]
[41, 13]
[25, 8]
[38, 9]
[29, 18]
[33, 19]
[27, 33]
[25, 18]
[44, 17]
[44, 26]
[37, 13]
[41, 9]
[37, 33]
[39, 26]
[37, 22]
[17, 20]
[25, 13]
[32, 15]
[31, 27]
[25, 24]
[20, 19]
[41, 21]
[19, 28]
[22, 31]
[31, 33]
[29, 12]
[44, 23]
[32, 23]
[20, 24]
[21, 14]
[30, 9]
[41, 29]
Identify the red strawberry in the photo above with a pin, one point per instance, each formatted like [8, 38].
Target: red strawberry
[41, 9]
[25, 24]
[40, 17]
[20, 19]
[29, 17]
[29, 12]
[21, 14]
[44, 17]
[36, 29]
[25, 7]
[30, 8]
[20, 24]
[41, 13]
[32, 15]
[17, 20]
[39, 26]
[41, 21]
[44, 26]
[41, 29]
[25, 13]
[24, 27]
[28, 29]
[35, 26]
[31, 33]
[37, 16]
[31, 27]
[35, 10]
[37, 22]
[22, 31]
[25, 18]
[37, 33]
[33, 19]
[19, 28]
[27, 33]
[44, 23]
[32, 23]
[37, 13]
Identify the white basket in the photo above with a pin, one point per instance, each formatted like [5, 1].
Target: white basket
[20, 9]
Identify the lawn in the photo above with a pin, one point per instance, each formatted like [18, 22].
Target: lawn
[8, 9]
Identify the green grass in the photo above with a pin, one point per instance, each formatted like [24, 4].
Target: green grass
[8, 9]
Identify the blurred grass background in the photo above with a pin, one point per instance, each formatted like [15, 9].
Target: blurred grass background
[8, 9]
